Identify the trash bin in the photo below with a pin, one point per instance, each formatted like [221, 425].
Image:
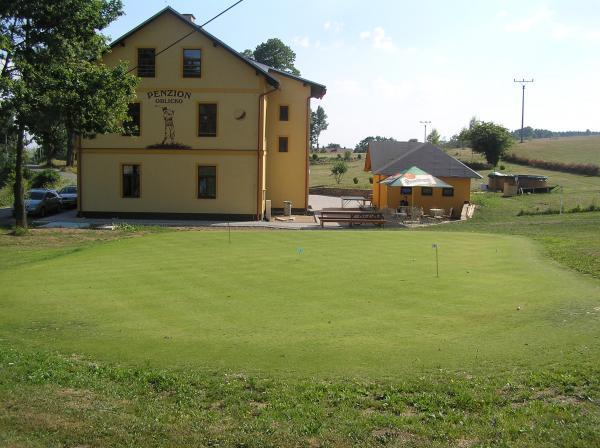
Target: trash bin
[287, 208]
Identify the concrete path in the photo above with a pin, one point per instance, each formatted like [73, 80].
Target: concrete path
[318, 202]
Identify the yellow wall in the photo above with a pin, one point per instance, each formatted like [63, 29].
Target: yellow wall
[246, 175]
[100, 188]
[225, 80]
[384, 196]
[286, 172]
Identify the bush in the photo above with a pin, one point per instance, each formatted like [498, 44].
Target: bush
[315, 157]
[587, 169]
[502, 167]
[359, 156]
[355, 180]
[339, 156]
[45, 179]
[347, 155]
[338, 170]
[478, 166]
[371, 179]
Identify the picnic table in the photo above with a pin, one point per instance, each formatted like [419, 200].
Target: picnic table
[347, 200]
[352, 217]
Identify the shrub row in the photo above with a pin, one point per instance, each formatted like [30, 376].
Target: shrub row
[555, 211]
[588, 169]
[478, 166]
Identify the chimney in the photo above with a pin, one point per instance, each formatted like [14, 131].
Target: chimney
[190, 17]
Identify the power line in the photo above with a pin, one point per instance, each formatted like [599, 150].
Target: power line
[191, 32]
[523, 83]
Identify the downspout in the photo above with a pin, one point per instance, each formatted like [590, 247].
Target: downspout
[307, 152]
[79, 189]
[260, 153]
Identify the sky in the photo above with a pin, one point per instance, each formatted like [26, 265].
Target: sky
[390, 64]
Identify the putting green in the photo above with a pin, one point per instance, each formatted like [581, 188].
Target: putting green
[306, 303]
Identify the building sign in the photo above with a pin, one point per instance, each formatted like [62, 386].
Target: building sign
[161, 99]
[169, 96]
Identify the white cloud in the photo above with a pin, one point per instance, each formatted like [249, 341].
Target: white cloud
[540, 16]
[561, 31]
[378, 39]
[304, 41]
[333, 26]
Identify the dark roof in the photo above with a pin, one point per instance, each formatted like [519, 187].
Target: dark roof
[388, 158]
[271, 80]
[317, 90]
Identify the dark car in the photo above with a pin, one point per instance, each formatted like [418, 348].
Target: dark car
[68, 196]
[40, 201]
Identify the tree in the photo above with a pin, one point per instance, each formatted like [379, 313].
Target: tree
[338, 170]
[276, 54]
[490, 139]
[434, 137]
[363, 145]
[41, 42]
[318, 124]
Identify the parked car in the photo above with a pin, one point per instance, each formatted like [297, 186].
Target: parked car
[40, 201]
[68, 196]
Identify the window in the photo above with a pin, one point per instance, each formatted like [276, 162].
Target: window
[146, 65]
[283, 144]
[284, 113]
[207, 126]
[448, 192]
[426, 191]
[406, 191]
[131, 181]
[192, 63]
[207, 182]
[132, 126]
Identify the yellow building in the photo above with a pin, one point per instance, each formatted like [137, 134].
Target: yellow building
[388, 158]
[212, 134]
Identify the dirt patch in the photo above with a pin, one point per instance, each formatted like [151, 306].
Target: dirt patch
[77, 399]
[386, 435]
[465, 443]
[46, 238]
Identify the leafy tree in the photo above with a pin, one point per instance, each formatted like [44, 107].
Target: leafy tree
[318, 123]
[434, 137]
[276, 54]
[44, 45]
[338, 170]
[490, 139]
[363, 145]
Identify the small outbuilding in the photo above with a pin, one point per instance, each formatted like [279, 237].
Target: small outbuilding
[523, 183]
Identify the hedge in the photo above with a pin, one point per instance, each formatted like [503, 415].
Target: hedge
[588, 169]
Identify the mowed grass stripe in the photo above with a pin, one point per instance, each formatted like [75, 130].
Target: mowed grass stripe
[319, 303]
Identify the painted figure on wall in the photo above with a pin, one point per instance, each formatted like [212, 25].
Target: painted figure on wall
[168, 115]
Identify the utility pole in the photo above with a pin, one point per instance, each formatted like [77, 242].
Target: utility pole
[523, 83]
[425, 123]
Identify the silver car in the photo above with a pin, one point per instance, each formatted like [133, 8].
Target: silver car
[68, 196]
[40, 201]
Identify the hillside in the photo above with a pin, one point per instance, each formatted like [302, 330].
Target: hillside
[564, 149]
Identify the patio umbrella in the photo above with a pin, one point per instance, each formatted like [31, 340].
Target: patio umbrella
[414, 177]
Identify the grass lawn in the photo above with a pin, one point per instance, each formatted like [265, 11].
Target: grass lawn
[320, 174]
[191, 299]
[564, 149]
[178, 338]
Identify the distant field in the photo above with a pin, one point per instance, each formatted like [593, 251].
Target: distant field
[320, 174]
[565, 149]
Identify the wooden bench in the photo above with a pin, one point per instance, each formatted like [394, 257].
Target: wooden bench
[352, 217]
